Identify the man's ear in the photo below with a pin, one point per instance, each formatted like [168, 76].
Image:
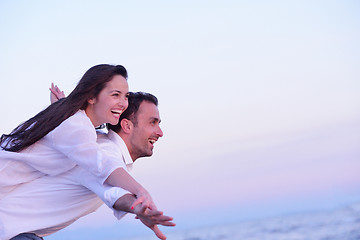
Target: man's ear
[126, 125]
[92, 101]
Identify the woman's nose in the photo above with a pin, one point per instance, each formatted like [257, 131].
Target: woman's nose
[123, 103]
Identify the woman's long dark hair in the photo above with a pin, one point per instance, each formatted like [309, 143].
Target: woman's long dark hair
[90, 85]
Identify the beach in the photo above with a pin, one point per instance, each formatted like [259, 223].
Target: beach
[339, 224]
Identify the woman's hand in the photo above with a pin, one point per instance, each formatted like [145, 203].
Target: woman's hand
[144, 198]
[153, 218]
[121, 178]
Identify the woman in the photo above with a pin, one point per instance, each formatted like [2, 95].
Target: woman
[63, 135]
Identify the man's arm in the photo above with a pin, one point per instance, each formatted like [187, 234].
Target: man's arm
[150, 218]
[55, 93]
[122, 201]
[121, 178]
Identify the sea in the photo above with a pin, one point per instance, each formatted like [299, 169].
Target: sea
[340, 224]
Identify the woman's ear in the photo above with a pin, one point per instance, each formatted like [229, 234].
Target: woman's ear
[126, 125]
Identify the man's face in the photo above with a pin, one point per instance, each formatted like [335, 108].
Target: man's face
[146, 132]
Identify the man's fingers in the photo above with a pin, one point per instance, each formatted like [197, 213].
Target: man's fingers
[162, 218]
[151, 213]
[167, 224]
[52, 91]
[56, 90]
[158, 233]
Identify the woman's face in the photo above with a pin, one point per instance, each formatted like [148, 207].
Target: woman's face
[111, 102]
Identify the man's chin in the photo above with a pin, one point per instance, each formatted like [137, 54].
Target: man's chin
[148, 154]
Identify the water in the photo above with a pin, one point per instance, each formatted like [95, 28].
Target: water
[340, 224]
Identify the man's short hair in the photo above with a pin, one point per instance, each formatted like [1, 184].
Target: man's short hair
[135, 99]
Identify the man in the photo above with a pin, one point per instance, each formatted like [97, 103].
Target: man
[49, 203]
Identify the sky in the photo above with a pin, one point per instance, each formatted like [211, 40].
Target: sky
[259, 100]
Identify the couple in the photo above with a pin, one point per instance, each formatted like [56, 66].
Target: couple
[40, 197]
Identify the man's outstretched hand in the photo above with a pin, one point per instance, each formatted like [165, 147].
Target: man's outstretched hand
[153, 218]
[55, 93]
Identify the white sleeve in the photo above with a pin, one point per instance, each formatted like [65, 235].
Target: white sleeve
[112, 194]
[105, 192]
[76, 138]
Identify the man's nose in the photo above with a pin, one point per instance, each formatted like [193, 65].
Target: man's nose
[159, 132]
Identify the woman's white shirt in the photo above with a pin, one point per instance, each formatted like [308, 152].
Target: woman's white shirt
[72, 143]
[49, 203]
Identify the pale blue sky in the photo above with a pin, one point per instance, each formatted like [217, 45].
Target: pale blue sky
[259, 99]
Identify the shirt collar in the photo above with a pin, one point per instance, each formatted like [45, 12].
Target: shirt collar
[114, 137]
